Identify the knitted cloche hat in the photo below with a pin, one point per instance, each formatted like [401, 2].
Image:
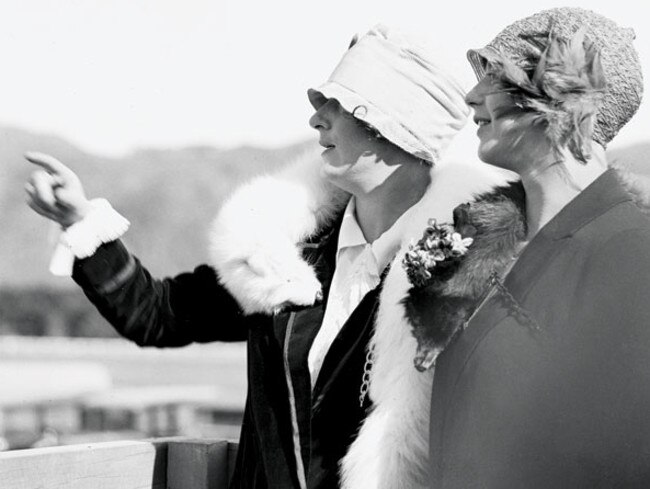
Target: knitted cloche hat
[390, 81]
[620, 62]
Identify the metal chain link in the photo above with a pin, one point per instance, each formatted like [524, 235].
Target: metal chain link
[517, 311]
[365, 378]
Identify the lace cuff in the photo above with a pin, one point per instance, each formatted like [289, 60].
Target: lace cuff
[102, 224]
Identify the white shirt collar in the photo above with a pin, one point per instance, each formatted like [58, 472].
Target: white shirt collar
[350, 235]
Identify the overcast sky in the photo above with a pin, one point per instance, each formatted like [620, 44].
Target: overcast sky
[112, 75]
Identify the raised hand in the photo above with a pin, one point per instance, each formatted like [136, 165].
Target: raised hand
[54, 191]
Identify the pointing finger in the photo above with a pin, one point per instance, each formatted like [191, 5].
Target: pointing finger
[49, 163]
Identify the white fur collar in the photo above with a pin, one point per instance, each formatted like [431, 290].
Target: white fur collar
[255, 236]
[255, 251]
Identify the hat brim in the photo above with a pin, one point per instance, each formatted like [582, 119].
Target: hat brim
[478, 59]
[348, 99]
[366, 111]
[316, 98]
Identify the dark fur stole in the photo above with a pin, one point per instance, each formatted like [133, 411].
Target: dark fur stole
[438, 311]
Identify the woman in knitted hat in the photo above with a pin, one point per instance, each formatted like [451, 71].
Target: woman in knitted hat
[539, 325]
[298, 264]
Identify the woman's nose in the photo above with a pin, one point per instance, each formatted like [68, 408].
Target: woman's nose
[319, 119]
[476, 95]
[471, 97]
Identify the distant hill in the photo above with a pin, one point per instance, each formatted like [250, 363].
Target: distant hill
[169, 196]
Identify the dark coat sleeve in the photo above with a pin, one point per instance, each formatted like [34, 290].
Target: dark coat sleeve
[190, 307]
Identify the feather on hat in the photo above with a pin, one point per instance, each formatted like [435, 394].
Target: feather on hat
[561, 81]
[526, 39]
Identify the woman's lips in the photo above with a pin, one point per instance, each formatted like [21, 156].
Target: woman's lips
[481, 123]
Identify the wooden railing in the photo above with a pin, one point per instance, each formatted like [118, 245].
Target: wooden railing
[173, 463]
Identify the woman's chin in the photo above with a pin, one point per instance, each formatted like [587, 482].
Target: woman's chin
[486, 155]
[331, 172]
[494, 158]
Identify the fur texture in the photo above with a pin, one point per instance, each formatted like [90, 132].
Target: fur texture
[255, 235]
[255, 244]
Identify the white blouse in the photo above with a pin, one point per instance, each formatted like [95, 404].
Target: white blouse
[358, 269]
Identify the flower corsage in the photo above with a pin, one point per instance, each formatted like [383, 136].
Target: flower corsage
[436, 254]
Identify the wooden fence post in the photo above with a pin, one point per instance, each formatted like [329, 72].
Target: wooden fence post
[198, 464]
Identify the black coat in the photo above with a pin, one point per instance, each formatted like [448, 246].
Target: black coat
[551, 388]
[194, 307]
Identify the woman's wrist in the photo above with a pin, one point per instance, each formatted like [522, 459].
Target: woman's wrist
[79, 213]
[100, 224]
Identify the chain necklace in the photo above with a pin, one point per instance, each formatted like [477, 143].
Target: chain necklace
[367, 370]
